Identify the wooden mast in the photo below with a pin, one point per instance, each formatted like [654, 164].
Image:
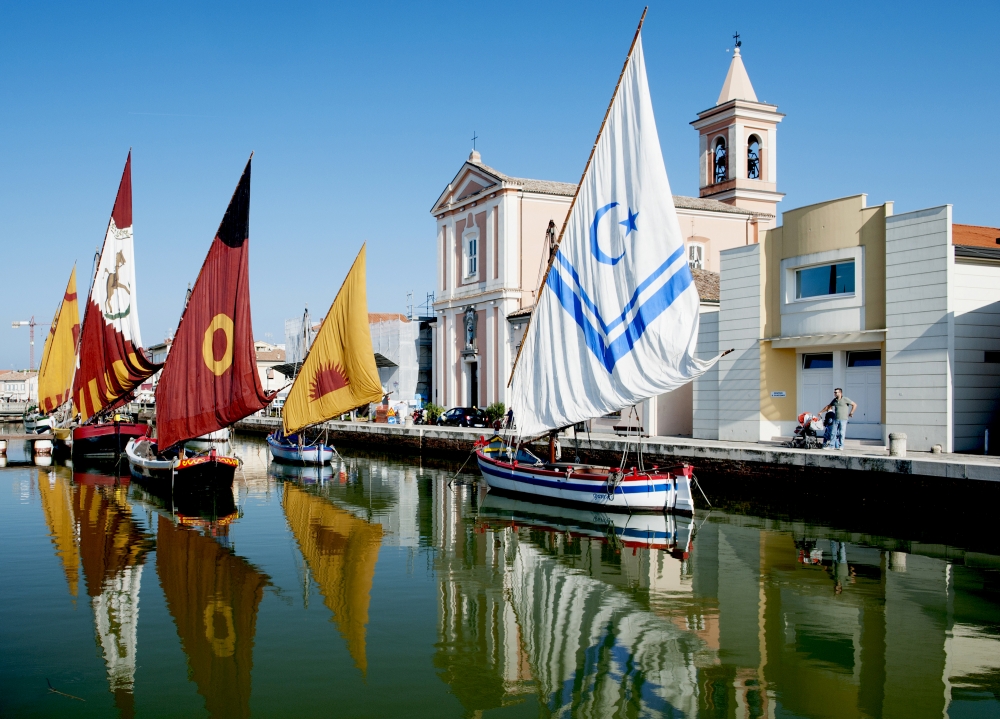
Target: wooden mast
[552, 253]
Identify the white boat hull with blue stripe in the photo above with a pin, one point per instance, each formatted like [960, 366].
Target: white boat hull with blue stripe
[286, 451]
[585, 485]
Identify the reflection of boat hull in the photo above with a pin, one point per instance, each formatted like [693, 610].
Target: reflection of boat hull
[105, 441]
[588, 487]
[299, 473]
[192, 506]
[210, 471]
[653, 531]
[295, 454]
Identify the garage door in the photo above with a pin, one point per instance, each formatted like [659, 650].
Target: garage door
[864, 386]
[816, 382]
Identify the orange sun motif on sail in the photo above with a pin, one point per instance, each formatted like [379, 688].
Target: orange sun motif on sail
[327, 379]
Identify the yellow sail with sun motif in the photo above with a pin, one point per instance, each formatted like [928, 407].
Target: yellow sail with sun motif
[339, 372]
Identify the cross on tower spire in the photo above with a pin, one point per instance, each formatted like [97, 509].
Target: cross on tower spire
[474, 138]
[736, 37]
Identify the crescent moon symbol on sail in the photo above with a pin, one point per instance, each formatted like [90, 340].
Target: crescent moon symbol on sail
[595, 246]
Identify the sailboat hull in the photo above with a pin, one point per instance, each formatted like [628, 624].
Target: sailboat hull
[575, 486]
[211, 471]
[295, 454]
[105, 441]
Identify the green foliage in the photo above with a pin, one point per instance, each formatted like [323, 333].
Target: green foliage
[433, 412]
[496, 411]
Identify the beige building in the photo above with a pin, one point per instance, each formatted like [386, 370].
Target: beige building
[495, 232]
[901, 311]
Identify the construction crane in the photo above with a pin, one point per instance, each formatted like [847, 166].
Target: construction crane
[31, 325]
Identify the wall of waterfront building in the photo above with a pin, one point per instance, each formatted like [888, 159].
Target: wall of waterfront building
[920, 328]
[739, 330]
[397, 340]
[705, 389]
[976, 305]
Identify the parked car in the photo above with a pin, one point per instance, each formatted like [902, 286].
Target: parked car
[463, 417]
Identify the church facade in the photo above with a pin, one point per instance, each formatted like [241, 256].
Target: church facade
[495, 233]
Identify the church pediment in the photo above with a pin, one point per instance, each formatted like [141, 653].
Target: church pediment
[471, 180]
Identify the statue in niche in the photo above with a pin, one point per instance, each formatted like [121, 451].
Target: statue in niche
[470, 328]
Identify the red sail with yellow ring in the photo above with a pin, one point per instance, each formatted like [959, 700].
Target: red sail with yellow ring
[210, 378]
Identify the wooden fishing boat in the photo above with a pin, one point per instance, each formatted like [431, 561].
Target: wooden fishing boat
[608, 330]
[35, 422]
[290, 449]
[583, 485]
[209, 381]
[188, 468]
[106, 440]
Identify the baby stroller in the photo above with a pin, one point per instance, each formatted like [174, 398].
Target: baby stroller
[809, 433]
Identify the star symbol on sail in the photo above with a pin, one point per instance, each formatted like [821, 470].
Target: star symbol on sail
[629, 224]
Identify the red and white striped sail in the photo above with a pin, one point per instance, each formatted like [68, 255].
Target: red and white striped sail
[112, 363]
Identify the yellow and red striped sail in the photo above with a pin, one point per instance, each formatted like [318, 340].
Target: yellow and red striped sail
[55, 374]
[112, 363]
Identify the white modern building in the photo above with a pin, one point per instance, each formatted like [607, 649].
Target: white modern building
[901, 311]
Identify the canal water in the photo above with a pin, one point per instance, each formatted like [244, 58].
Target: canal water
[377, 589]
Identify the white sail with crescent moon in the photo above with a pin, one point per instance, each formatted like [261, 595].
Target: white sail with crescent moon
[617, 319]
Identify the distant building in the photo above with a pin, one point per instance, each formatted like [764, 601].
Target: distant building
[495, 233]
[19, 386]
[403, 355]
[269, 357]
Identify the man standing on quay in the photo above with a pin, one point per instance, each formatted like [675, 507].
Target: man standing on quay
[838, 430]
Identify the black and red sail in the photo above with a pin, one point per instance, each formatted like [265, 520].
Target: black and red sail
[210, 378]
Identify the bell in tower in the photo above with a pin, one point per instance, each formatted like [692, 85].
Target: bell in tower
[738, 146]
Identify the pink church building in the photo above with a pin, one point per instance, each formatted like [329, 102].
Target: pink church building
[495, 231]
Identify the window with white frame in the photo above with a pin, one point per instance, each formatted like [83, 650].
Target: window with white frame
[470, 251]
[824, 280]
[696, 256]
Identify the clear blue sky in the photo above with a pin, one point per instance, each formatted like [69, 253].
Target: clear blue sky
[361, 113]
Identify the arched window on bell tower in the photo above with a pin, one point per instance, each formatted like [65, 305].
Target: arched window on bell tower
[753, 158]
[721, 161]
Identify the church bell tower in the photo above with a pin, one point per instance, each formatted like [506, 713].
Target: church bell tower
[738, 152]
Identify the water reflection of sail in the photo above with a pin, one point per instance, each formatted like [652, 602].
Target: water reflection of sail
[57, 503]
[341, 550]
[213, 596]
[550, 603]
[113, 549]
